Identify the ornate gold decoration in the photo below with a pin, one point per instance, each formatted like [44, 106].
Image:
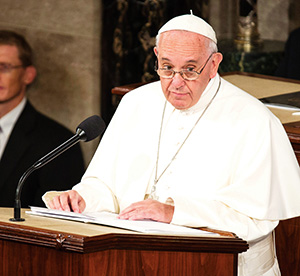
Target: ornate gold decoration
[247, 36]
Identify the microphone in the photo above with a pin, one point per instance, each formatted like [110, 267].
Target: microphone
[86, 131]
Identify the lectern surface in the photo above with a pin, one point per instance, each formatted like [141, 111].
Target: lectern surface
[46, 246]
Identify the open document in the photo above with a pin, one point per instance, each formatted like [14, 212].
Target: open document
[110, 219]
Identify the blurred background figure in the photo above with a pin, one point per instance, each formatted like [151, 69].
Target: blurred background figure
[25, 134]
[289, 67]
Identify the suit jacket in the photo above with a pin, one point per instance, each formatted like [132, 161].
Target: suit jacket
[33, 136]
[289, 66]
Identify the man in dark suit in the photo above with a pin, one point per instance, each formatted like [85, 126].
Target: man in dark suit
[26, 135]
[289, 66]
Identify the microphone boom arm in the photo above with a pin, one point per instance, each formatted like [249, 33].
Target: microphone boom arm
[80, 135]
[87, 130]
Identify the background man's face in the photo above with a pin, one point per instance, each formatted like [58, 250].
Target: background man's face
[13, 83]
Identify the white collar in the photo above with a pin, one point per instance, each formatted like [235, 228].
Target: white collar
[205, 98]
[8, 121]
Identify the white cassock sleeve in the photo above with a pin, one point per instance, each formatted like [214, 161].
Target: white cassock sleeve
[120, 169]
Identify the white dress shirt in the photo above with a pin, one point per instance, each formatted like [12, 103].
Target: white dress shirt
[7, 123]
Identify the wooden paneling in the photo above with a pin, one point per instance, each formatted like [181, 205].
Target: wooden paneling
[288, 246]
[25, 259]
[293, 132]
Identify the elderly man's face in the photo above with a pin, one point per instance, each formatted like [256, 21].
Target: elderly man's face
[179, 50]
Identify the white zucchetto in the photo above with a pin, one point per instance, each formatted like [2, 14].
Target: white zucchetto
[190, 23]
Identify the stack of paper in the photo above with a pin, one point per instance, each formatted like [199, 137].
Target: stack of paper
[111, 219]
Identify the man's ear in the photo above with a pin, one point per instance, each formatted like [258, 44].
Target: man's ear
[155, 51]
[216, 60]
[30, 74]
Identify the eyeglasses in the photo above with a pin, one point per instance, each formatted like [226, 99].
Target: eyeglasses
[184, 73]
[7, 68]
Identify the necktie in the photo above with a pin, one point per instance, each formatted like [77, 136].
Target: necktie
[1, 142]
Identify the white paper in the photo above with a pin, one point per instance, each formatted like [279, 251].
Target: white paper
[110, 219]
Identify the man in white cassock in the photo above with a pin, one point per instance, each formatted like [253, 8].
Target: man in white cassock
[194, 150]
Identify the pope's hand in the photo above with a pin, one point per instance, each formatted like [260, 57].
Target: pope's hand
[68, 201]
[148, 209]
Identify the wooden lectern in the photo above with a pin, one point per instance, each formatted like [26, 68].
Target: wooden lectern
[260, 86]
[45, 246]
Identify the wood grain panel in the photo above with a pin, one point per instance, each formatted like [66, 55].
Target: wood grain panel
[38, 260]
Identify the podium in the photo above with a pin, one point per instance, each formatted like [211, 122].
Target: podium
[46, 246]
